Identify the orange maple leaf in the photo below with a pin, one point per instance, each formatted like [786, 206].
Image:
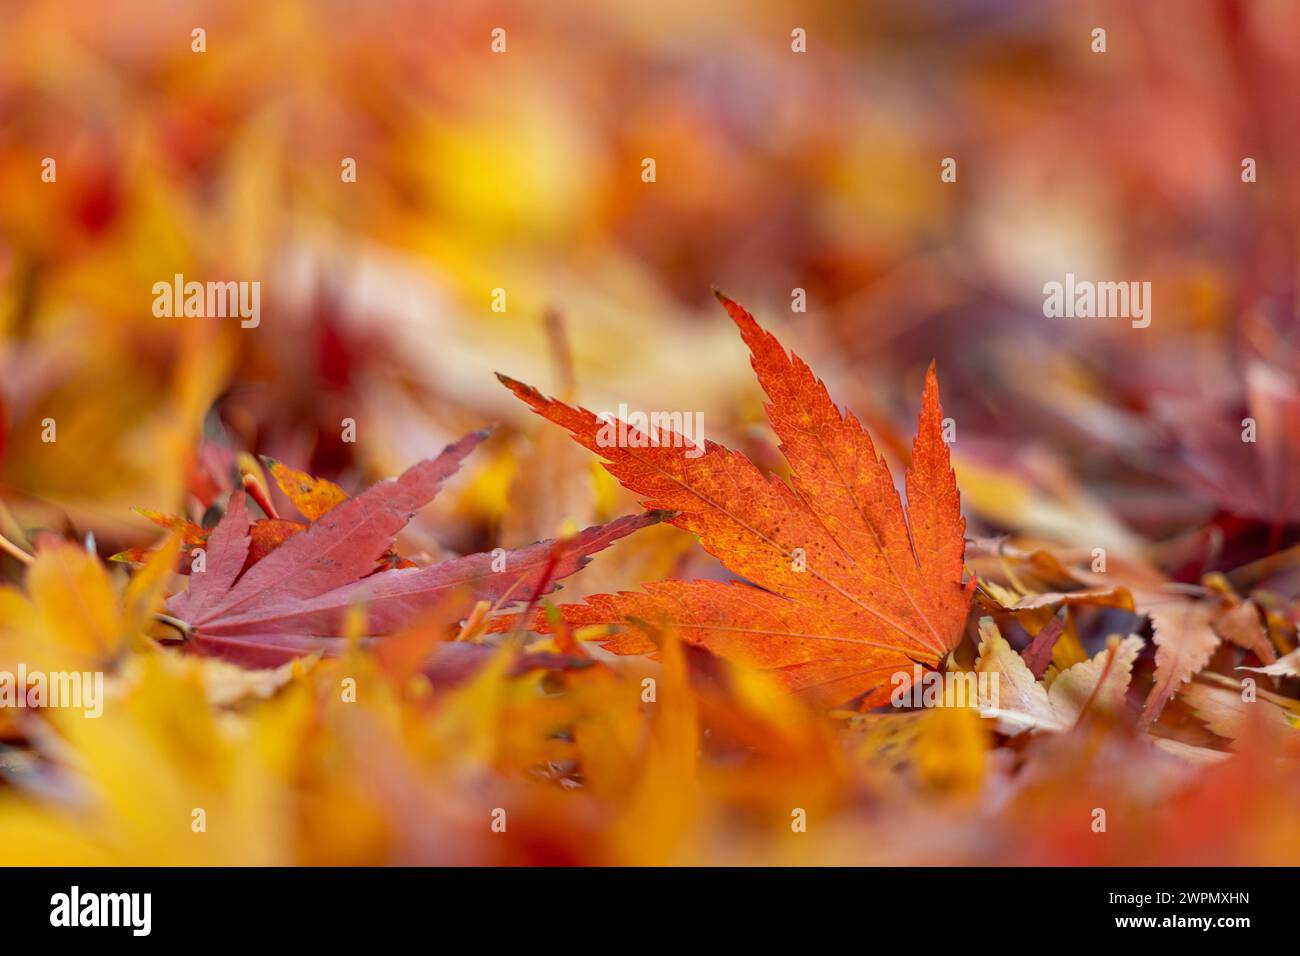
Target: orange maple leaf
[845, 589]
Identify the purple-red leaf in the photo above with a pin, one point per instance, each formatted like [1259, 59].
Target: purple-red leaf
[344, 544]
[226, 549]
[293, 602]
[394, 597]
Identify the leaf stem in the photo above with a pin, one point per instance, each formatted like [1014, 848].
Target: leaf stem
[175, 622]
[1105, 672]
[544, 582]
[18, 553]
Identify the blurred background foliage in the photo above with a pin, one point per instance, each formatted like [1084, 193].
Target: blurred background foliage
[521, 171]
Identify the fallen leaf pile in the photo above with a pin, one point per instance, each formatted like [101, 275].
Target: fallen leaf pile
[797, 683]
